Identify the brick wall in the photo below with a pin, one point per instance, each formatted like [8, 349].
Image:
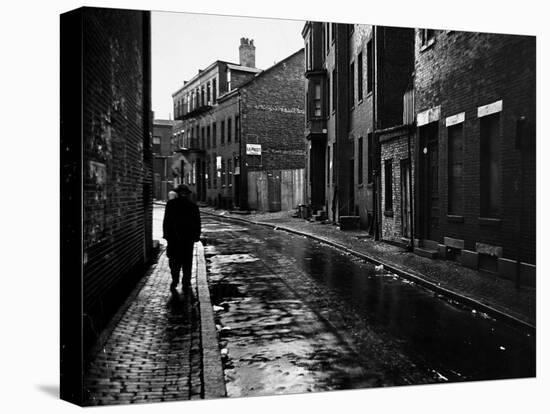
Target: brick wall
[117, 233]
[273, 111]
[394, 147]
[461, 71]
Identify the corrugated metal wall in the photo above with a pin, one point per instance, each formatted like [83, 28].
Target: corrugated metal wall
[275, 190]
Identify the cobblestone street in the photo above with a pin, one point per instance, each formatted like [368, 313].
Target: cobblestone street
[153, 353]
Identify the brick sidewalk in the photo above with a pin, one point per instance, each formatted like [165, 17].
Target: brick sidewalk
[153, 352]
[471, 286]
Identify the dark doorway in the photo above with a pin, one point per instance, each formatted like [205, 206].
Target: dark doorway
[429, 182]
[317, 173]
[274, 190]
[405, 199]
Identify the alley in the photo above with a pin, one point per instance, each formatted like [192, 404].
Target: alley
[298, 316]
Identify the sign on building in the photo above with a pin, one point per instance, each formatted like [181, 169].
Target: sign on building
[253, 149]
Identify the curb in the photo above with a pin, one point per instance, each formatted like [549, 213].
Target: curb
[213, 380]
[415, 277]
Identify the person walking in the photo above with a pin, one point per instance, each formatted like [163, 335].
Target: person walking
[181, 229]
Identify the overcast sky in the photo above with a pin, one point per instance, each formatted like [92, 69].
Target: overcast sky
[183, 43]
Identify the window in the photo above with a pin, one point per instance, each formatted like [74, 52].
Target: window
[237, 128]
[230, 172]
[427, 37]
[208, 93]
[327, 37]
[223, 173]
[222, 133]
[489, 165]
[156, 140]
[214, 91]
[327, 91]
[370, 158]
[370, 66]
[308, 106]
[334, 90]
[455, 157]
[203, 138]
[333, 31]
[228, 79]
[202, 96]
[360, 77]
[323, 39]
[209, 173]
[214, 135]
[334, 156]
[388, 183]
[360, 160]
[317, 100]
[351, 84]
[229, 130]
[329, 165]
[215, 171]
[208, 137]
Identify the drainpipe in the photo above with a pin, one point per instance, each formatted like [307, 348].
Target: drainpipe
[376, 171]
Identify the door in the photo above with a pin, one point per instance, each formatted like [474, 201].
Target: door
[274, 190]
[430, 181]
[405, 199]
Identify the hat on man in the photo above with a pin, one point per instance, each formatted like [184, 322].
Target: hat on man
[183, 189]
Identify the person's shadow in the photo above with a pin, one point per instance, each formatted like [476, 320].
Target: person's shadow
[179, 304]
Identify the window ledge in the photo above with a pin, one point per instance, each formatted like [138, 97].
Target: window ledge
[388, 213]
[453, 218]
[488, 221]
[360, 101]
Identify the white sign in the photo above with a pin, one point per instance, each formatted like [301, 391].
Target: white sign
[253, 149]
[489, 109]
[454, 120]
[429, 115]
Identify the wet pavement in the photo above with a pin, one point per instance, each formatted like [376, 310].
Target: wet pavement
[153, 352]
[295, 315]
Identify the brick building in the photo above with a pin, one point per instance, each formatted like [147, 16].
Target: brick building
[356, 78]
[242, 132]
[475, 117]
[106, 174]
[162, 148]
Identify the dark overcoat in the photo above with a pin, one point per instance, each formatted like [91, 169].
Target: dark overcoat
[181, 226]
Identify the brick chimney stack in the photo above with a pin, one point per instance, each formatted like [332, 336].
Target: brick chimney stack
[247, 53]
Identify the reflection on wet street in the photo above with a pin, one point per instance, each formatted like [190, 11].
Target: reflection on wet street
[297, 316]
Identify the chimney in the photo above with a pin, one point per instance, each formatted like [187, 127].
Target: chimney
[247, 53]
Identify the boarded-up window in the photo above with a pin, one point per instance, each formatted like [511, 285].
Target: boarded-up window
[455, 157]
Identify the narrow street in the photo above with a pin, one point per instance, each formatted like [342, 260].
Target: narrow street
[298, 316]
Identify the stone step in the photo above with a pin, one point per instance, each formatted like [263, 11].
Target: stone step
[424, 252]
